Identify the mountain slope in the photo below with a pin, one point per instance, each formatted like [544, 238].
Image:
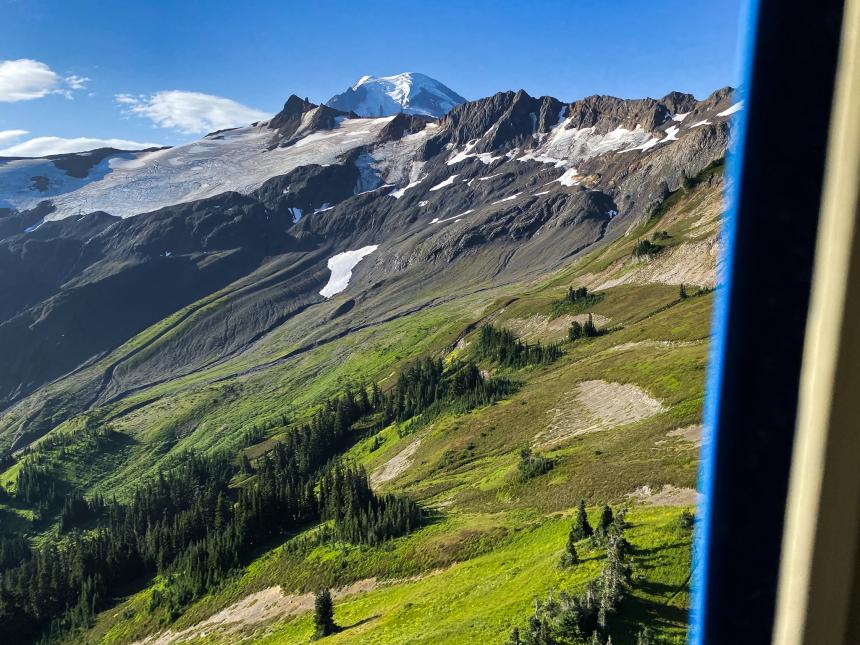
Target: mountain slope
[204, 330]
[495, 534]
[506, 184]
[410, 93]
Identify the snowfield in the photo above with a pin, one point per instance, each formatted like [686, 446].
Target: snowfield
[134, 183]
[341, 266]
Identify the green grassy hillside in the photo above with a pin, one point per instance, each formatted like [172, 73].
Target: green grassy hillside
[617, 416]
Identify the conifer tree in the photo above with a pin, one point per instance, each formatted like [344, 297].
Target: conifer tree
[589, 330]
[575, 331]
[324, 615]
[605, 520]
[581, 528]
[682, 292]
[570, 556]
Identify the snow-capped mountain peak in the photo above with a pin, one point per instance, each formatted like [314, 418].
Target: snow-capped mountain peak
[409, 92]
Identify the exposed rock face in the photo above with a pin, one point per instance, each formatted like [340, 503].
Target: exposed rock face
[300, 118]
[495, 191]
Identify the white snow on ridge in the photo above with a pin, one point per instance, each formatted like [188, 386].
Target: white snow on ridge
[702, 122]
[671, 134]
[456, 218]
[679, 117]
[400, 192]
[463, 155]
[506, 199]
[574, 145]
[341, 266]
[558, 163]
[568, 178]
[393, 94]
[445, 183]
[737, 107]
[236, 160]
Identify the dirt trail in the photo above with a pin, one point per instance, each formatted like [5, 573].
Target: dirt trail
[395, 466]
[593, 406]
[257, 610]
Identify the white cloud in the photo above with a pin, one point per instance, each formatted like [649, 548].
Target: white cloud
[11, 135]
[76, 82]
[25, 79]
[42, 146]
[128, 99]
[190, 112]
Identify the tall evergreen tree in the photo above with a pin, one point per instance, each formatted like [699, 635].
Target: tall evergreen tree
[324, 615]
[571, 555]
[589, 330]
[605, 520]
[581, 528]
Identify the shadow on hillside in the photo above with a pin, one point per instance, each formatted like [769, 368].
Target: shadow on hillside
[361, 622]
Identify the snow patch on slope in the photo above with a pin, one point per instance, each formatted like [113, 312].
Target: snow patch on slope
[341, 266]
[737, 107]
[445, 183]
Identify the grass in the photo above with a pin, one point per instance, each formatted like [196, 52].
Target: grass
[480, 600]
[494, 542]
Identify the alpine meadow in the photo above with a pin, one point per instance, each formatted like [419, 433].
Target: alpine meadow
[400, 367]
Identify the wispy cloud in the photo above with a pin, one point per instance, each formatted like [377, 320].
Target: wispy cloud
[26, 79]
[10, 135]
[76, 82]
[190, 112]
[42, 146]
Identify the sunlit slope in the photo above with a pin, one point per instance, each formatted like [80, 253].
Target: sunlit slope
[617, 414]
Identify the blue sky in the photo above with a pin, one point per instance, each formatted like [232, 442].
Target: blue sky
[137, 70]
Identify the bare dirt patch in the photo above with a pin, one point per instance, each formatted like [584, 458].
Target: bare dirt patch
[543, 327]
[691, 263]
[397, 465]
[252, 612]
[669, 495]
[692, 433]
[594, 406]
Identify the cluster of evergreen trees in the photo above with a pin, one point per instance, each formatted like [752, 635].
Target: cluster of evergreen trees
[359, 515]
[578, 330]
[36, 487]
[191, 527]
[501, 346]
[13, 550]
[532, 465]
[194, 528]
[575, 299]
[583, 619]
[428, 387]
[646, 247]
